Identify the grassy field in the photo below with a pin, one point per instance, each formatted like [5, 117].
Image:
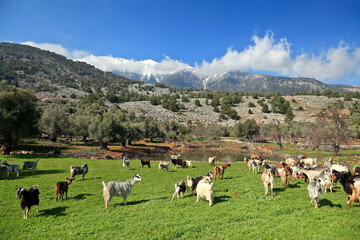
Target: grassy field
[240, 210]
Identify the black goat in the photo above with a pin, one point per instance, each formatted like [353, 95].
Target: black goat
[346, 179]
[28, 198]
[145, 162]
[179, 162]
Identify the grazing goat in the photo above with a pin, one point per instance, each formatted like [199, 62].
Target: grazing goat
[163, 165]
[212, 160]
[62, 187]
[179, 189]
[255, 156]
[193, 182]
[346, 180]
[119, 188]
[29, 164]
[145, 162]
[267, 178]
[79, 171]
[205, 190]
[126, 163]
[189, 163]
[356, 170]
[28, 198]
[219, 170]
[314, 190]
[355, 197]
[177, 161]
[12, 168]
[311, 174]
[285, 176]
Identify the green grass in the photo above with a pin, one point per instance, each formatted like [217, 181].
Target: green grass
[240, 210]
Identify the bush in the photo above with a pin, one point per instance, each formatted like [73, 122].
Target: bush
[251, 104]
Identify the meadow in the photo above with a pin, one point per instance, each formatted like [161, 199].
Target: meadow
[240, 209]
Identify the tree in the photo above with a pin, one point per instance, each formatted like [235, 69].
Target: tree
[247, 129]
[107, 128]
[79, 123]
[54, 121]
[152, 130]
[19, 115]
[197, 103]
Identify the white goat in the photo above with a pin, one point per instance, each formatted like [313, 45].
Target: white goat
[12, 168]
[189, 163]
[327, 178]
[163, 165]
[268, 179]
[119, 188]
[314, 190]
[205, 190]
[212, 160]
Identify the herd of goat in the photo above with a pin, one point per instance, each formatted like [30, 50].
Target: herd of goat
[320, 178]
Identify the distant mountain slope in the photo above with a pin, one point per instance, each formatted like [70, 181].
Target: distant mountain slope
[41, 70]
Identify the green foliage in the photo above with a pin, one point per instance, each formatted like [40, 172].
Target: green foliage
[265, 108]
[197, 103]
[279, 104]
[247, 130]
[54, 121]
[184, 98]
[155, 100]
[250, 112]
[251, 105]
[19, 115]
[289, 116]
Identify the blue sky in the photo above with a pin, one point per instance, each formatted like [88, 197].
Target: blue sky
[319, 39]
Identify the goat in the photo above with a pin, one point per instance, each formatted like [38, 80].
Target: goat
[269, 167]
[295, 171]
[163, 165]
[212, 160]
[176, 161]
[189, 163]
[311, 174]
[255, 156]
[314, 190]
[29, 164]
[79, 171]
[326, 176]
[193, 182]
[126, 163]
[205, 190]
[285, 176]
[356, 170]
[346, 180]
[267, 178]
[355, 197]
[28, 198]
[255, 165]
[310, 161]
[328, 163]
[119, 188]
[292, 161]
[246, 160]
[145, 162]
[219, 170]
[179, 189]
[12, 168]
[62, 187]
[340, 168]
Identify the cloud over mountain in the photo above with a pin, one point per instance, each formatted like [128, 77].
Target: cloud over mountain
[264, 54]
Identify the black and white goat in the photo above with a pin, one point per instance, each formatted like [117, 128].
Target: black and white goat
[163, 165]
[126, 163]
[269, 167]
[347, 180]
[179, 189]
[30, 164]
[28, 198]
[12, 168]
[175, 160]
[79, 171]
[119, 188]
[193, 182]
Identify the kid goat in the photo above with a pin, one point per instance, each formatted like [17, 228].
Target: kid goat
[62, 187]
[119, 188]
[28, 198]
[268, 179]
[219, 170]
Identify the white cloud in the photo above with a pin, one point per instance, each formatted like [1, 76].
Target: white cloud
[264, 54]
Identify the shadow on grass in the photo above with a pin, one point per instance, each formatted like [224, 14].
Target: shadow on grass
[86, 179]
[327, 202]
[130, 203]
[276, 190]
[58, 211]
[82, 196]
[220, 199]
[294, 185]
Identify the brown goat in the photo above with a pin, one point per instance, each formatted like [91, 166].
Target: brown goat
[219, 170]
[62, 187]
[285, 176]
[255, 156]
[355, 197]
